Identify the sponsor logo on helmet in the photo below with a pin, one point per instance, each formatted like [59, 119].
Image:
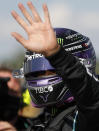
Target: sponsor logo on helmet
[60, 41]
[72, 36]
[44, 89]
[45, 97]
[34, 56]
[87, 44]
[74, 48]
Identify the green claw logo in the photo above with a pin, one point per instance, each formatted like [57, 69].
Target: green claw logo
[60, 41]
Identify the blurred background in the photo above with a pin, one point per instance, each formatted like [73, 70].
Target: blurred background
[80, 15]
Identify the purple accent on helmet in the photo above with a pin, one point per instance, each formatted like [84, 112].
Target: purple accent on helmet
[33, 104]
[85, 54]
[63, 31]
[44, 81]
[38, 64]
[89, 58]
[70, 99]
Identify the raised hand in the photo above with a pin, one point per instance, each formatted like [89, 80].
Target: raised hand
[41, 36]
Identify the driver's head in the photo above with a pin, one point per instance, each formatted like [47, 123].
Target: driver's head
[13, 83]
[45, 86]
[10, 92]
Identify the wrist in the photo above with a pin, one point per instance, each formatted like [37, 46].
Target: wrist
[52, 52]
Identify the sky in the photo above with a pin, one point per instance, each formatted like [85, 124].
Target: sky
[80, 15]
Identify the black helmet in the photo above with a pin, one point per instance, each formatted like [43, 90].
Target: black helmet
[50, 88]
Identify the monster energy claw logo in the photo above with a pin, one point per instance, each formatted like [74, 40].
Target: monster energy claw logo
[60, 41]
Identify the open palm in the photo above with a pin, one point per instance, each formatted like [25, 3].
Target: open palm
[41, 37]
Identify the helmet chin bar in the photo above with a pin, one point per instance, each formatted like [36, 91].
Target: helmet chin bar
[43, 92]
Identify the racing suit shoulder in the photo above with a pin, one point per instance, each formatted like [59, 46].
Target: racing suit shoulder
[83, 85]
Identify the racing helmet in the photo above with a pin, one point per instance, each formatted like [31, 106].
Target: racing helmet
[50, 88]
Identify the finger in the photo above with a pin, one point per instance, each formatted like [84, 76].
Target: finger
[46, 14]
[25, 13]
[19, 20]
[19, 38]
[34, 12]
[5, 126]
[8, 129]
